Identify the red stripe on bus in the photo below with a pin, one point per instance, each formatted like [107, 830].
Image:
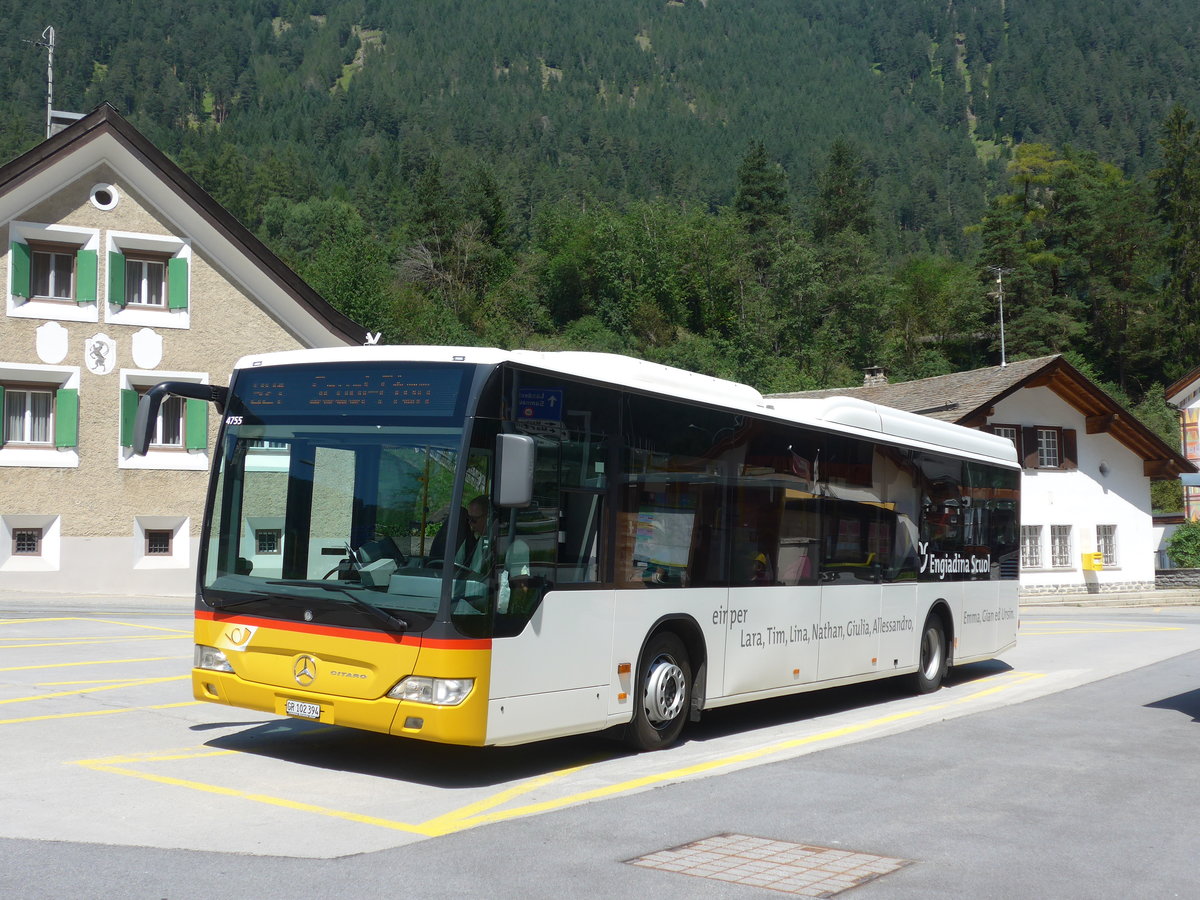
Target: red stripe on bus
[381, 637]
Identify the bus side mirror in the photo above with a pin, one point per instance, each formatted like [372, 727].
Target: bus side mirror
[515, 454]
[143, 422]
[148, 404]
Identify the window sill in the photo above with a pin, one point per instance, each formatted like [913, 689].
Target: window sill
[148, 317]
[59, 310]
[28, 564]
[28, 456]
[176, 459]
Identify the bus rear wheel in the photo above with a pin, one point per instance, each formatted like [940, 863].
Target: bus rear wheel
[664, 693]
[931, 664]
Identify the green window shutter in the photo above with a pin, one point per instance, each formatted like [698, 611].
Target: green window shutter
[195, 424]
[116, 278]
[66, 417]
[129, 405]
[1, 413]
[177, 283]
[86, 263]
[20, 269]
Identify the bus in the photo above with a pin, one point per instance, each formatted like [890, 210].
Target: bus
[484, 547]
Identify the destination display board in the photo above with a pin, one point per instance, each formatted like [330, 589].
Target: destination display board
[352, 390]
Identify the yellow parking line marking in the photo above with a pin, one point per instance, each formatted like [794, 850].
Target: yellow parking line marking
[472, 810]
[101, 766]
[88, 642]
[97, 712]
[90, 662]
[139, 625]
[747, 756]
[484, 811]
[108, 687]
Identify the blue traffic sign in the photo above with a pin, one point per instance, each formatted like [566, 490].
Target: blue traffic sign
[544, 404]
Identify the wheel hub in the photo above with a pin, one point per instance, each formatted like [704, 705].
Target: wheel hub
[665, 691]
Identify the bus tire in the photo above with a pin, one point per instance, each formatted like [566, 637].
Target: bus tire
[931, 656]
[664, 694]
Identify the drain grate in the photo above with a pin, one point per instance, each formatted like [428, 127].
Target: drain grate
[799, 869]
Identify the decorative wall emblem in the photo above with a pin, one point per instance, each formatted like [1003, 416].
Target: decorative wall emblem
[147, 349]
[100, 354]
[51, 343]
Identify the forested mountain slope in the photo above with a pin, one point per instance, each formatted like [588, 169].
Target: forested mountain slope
[627, 98]
[776, 190]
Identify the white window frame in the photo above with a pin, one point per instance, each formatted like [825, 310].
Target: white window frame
[39, 456]
[180, 556]
[1060, 547]
[50, 555]
[1012, 432]
[1106, 544]
[161, 456]
[47, 308]
[145, 283]
[27, 437]
[170, 418]
[54, 290]
[1031, 547]
[1049, 448]
[143, 246]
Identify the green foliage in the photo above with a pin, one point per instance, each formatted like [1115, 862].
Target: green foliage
[1183, 546]
[516, 172]
[843, 195]
[1166, 496]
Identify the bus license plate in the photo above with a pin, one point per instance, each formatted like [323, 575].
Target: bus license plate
[303, 710]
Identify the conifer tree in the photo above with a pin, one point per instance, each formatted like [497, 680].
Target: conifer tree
[843, 194]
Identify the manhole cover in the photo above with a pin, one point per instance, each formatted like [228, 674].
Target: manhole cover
[800, 869]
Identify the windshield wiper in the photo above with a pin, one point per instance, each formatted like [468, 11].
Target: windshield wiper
[230, 604]
[380, 615]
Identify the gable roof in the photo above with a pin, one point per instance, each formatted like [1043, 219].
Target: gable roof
[103, 136]
[969, 398]
[1184, 390]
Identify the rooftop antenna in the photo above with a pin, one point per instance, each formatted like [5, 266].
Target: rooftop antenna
[47, 41]
[1000, 295]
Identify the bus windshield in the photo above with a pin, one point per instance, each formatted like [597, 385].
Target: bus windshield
[340, 512]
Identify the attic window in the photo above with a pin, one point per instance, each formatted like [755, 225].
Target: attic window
[104, 196]
[1048, 447]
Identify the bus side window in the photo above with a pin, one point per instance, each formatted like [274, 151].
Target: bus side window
[579, 552]
[799, 540]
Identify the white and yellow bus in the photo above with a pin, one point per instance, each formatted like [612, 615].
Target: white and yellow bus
[486, 547]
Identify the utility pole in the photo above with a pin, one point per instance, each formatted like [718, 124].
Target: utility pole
[1000, 295]
[47, 41]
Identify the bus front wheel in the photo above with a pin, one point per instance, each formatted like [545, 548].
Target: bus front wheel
[664, 693]
[931, 665]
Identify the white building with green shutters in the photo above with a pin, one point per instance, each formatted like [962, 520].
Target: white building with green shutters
[121, 272]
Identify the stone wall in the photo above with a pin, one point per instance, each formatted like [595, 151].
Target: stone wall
[1177, 578]
[1092, 587]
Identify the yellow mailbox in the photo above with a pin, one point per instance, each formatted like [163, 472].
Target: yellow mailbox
[1093, 562]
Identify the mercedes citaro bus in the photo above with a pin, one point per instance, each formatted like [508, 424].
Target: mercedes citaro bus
[485, 547]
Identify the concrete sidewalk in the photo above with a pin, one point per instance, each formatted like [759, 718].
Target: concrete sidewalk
[21, 600]
[84, 602]
[1164, 597]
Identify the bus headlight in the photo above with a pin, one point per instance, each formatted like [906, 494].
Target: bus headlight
[436, 691]
[210, 658]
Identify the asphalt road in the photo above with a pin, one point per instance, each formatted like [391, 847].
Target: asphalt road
[1066, 769]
